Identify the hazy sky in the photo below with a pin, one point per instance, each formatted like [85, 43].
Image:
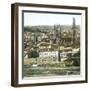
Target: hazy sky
[32, 19]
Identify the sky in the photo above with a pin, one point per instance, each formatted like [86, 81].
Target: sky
[34, 19]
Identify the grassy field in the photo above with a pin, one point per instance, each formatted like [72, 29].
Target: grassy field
[31, 69]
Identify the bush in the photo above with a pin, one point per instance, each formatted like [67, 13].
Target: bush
[73, 60]
[33, 54]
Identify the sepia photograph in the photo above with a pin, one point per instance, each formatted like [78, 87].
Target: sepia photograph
[51, 44]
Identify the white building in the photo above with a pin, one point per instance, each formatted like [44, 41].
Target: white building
[63, 55]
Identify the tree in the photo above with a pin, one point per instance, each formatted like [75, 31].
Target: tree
[74, 33]
[57, 29]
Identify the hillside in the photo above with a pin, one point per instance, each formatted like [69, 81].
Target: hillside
[48, 28]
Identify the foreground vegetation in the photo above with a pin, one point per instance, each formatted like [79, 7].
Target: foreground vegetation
[50, 70]
[71, 66]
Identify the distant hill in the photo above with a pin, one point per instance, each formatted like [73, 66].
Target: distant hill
[48, 28]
